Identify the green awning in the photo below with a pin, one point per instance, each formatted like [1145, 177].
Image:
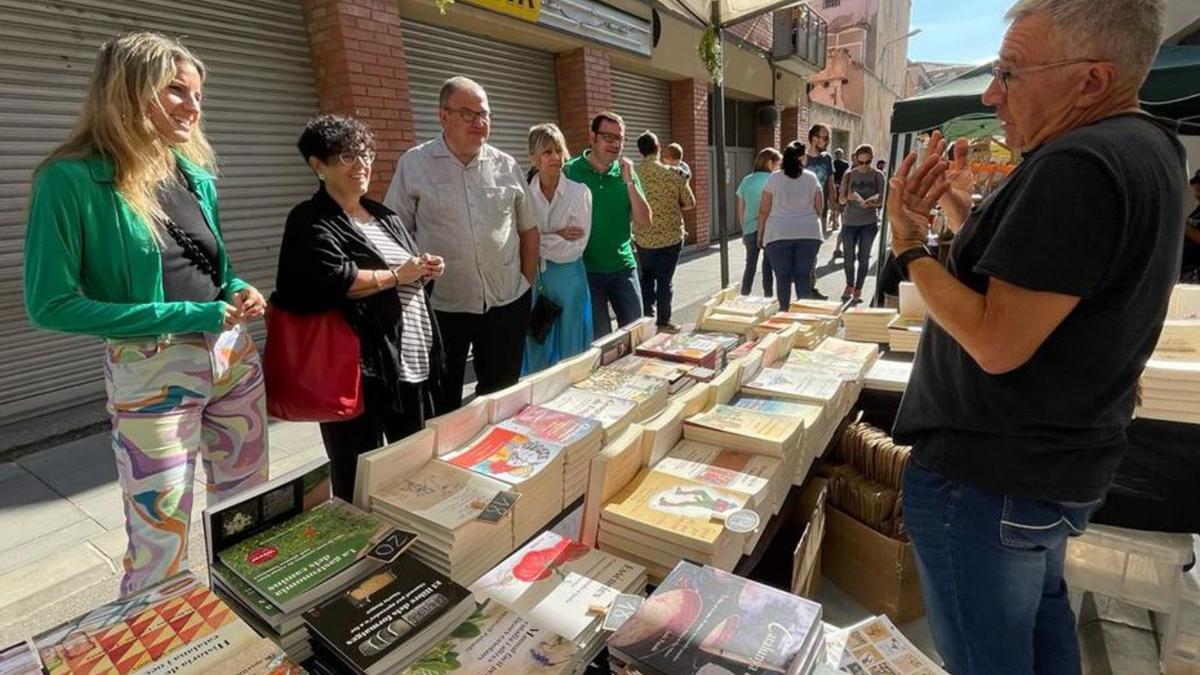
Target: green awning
[1172, 90]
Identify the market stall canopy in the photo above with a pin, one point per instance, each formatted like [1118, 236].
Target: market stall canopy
[731, 10]
[1172, 90]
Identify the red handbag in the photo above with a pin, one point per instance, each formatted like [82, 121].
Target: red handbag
[311, 367]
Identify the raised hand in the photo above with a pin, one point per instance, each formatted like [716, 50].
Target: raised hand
[956, 202]
[912, 196]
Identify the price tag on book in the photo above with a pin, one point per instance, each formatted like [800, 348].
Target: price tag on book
[623, 606]
[742, 521]
[501, 504]
[392, 545]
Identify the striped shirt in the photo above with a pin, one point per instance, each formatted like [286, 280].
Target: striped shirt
[416, 336]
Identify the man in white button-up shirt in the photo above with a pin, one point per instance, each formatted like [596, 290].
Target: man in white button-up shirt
[466, 201]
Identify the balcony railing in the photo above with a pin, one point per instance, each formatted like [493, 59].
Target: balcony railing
[800, 39]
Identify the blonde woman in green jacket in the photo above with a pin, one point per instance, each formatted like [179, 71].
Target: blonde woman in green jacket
[123, 243]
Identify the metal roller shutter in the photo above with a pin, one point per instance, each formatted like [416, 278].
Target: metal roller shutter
[520, 82]
[645, 104]
[259, 93]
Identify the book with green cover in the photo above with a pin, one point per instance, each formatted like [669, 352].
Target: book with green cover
[288, 560]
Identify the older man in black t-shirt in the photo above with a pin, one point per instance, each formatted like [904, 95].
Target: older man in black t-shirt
[1050, 304]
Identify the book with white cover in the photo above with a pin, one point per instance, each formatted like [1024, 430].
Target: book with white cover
[739, 427]
[441, 495]
[743, 472]
[799, 384]
[555, 582]
[455, 428]
[611, 470]
[888, 375]
[614, 414]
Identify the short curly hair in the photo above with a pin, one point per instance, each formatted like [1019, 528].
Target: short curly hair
[329, 135]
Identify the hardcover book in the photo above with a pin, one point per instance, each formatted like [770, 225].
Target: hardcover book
[175, 627]
[377, 623]
[292, 558]
[703, 620]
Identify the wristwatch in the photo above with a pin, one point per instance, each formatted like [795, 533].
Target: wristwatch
[906, 257]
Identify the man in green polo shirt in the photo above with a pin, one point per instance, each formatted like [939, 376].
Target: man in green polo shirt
[617, 200]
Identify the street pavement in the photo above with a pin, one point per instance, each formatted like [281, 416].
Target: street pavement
[61, 518]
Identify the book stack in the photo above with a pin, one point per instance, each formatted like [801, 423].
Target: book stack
[763, 480]
[1169, 388]
[876, 646]
[904, 331]
[648, 394]
[658, 519]
[759, 432]
[689, 348]
[388, 619]
[738, 314]
[675, 374]
[495, 641]
[831, 308]
[803, 383]
[818, 422]
[463, 528]
[868, 324]
[614, 414]
[866, 477]
[177, 626]
[1184, 302]
[811, 328]
[579, 437]
[704, 620]
[280, 548]
[530, 466]
[888, 376]
[559, 586]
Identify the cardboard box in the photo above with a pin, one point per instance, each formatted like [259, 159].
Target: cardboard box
[877, 571]
[806, 558]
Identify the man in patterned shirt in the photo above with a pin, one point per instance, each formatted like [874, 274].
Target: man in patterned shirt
[659, 244]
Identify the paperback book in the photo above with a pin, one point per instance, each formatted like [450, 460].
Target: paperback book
[495, 641]
[704, 620]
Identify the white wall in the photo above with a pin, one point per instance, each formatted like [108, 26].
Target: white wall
[1182, 18]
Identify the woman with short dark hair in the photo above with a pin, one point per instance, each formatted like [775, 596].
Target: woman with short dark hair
[790, 230]
[344, 251]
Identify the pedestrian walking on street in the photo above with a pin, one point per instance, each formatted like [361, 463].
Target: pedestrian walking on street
[467, 202]
[790, 227]
[563, 210]
[342, 251]
[818, 161]
[840, 166]
[861, 196]
[123, 243]
[749, 198]
[618, 204]
[659, 245]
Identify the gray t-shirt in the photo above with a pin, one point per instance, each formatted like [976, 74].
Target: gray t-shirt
[792, 215]
[866, 185]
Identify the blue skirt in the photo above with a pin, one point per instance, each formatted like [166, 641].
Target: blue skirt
[566, 284]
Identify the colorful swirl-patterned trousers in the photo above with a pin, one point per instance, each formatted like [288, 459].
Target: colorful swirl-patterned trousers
[174, 398]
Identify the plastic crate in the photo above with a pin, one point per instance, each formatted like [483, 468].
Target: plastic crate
[1142, 568]
[1181, 644]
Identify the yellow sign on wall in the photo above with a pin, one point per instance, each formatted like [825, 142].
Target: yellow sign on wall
[525, 10]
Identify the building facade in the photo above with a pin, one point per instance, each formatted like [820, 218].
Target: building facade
[274, 63]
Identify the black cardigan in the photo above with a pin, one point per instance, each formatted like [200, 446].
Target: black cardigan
[321, 254]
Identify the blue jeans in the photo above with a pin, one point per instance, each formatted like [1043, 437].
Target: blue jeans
[856, 247]
[991, 570]
[656, 269]
[619, 289]
[752, 251]
[793, 261]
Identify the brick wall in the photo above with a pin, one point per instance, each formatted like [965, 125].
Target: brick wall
[584, 90]
[358, 60]
[790, 127]
[689, 127]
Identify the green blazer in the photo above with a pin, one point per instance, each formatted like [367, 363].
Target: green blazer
[92, 267]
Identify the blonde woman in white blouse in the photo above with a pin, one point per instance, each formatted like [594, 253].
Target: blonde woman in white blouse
[563, 209]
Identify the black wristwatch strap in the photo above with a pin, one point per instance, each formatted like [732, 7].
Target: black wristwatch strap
[906, 257]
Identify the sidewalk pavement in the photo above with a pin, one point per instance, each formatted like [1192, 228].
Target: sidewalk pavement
[61, 516]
